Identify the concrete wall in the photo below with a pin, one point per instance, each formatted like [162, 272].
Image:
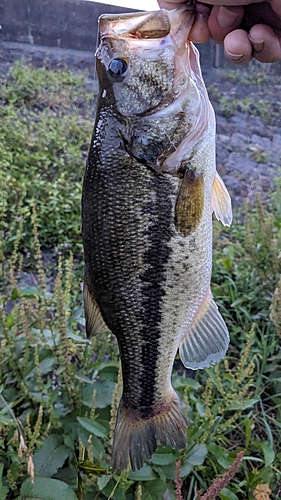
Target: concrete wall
[70, 24]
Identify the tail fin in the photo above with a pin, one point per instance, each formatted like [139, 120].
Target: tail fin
[136, 436]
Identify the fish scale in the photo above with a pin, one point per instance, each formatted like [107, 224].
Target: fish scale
[149, 190]
[115, 255]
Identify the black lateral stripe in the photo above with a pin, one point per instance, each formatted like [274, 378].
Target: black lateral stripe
[153, 290]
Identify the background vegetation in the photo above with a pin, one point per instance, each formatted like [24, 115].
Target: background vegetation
[58, 391]
[253, 90]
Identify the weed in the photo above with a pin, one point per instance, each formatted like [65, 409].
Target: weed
[69, 396]
[59, 391]
[253, 92]
[44, 140]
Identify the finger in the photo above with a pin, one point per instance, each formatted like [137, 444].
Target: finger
[237, 47]
[276, 6]
[200, 32]
[170, 4]
[266, 43]
[223, 20]
[262, 13]
[234, 2]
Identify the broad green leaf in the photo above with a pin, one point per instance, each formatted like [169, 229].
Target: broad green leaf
[6, 408]
[160, 473]
[269, 453]
[68, 440]
[45, 366]
[146, 473]
[163, 458]
[200, 409]
[153, 490]
[54, 395]
[80, 376]
[51, 456]
[197, 454]
[104, 391]
[184, 382]
[169, 470]
[108, 489]
[221, 455]
[4, 490]
[5, 419]
[103, 481]
[195, 457]
[51, 337]
[93, 427]
[98, 446]
[77, 338]
[108, 366]
[226, 494]
[29, 291]
[262, 476]
[46, 489]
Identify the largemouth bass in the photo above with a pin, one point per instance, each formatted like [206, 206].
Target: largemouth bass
[149, 191]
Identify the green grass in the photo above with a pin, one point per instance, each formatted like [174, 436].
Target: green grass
[58, 391]
[45, 127]
[253, 90]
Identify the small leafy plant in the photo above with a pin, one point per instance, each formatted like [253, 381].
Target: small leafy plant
[45, 128]
[252, 90]
[59, 391]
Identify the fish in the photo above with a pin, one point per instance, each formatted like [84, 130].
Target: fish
[149, 191]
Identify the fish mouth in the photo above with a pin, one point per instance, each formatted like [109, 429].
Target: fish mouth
[141, 25]
[137, 52]
[144, 26]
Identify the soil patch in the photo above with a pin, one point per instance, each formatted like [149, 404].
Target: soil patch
[247, 103]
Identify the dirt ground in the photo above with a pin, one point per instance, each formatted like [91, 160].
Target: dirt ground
[247, 102]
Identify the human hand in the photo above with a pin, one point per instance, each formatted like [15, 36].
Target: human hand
[246, 28]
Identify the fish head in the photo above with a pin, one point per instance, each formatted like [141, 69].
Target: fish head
[142, 58]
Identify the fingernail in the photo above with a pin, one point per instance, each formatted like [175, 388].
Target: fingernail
[258, 45]
[233, 57]
[226, 17]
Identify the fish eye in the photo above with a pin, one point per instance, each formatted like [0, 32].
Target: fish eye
[117, 68]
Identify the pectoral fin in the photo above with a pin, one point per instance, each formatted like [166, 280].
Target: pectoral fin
[94, 320]
[190, 202]
[207, 340]
[221, 201]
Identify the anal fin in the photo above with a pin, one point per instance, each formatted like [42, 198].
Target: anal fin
[206, 342]
[221, 201]
[94, 320]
